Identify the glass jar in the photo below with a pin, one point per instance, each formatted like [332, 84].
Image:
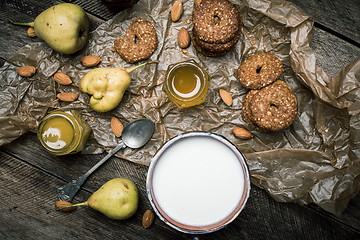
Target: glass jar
[186, 84]
[63, 132]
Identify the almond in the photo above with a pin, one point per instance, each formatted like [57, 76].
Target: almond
[176, 11]
[26, 71]
[226, 97]
[148, 218]
[31, 32]
[90, 61]
[197, 3]
[184, 38]
[60, 206]
[62, 78]
[67, 96]
[242, 133]
[116, 126]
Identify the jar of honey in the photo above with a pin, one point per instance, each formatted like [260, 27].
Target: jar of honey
[63, 132]
[186, 84]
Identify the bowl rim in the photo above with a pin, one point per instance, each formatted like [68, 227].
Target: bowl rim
[206, 228]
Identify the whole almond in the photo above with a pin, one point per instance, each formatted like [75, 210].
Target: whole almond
[184, 38]
[242, 133]
[116, 126]
[226, 97]
[59, 206]
[90, 61]
[26, 71]
[31, 32]
[197, 3]
[176, 11]
[148, 218]
[67, 96]
[62, 78]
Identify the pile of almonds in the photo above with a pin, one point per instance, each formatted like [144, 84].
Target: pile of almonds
[60, 77]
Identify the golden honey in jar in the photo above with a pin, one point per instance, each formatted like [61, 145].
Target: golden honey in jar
[63, 132]
[186, 84]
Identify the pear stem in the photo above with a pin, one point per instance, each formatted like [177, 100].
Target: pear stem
[30, 24]
[74, 205]
[129, 70]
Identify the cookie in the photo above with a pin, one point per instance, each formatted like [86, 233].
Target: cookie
[259, 70]
[273, 107]
[216, 28]
[138, 43]
[221, 48]
[216, 21]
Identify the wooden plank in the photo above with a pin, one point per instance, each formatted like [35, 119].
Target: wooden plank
[340, 17]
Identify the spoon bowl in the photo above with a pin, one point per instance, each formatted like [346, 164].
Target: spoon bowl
[135, 135]
[138, 133]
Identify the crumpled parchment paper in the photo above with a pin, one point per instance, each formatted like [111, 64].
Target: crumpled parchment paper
[316, 160]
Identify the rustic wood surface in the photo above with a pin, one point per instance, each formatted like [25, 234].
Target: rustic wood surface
[29, 176]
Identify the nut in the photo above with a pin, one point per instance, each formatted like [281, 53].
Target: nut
[197, 3]
[26, 71]
[62, 78]
[59, 206]
[242, 133]
[31, 32]
[90, 61]
[148, 218]
[226, 97]
[67, 97]
[184, 38]
[116, 126]
[176, 11]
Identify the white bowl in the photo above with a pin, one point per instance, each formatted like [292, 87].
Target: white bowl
[198, 182]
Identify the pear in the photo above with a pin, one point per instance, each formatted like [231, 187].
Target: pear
[64, 27]
[116, 199]
[107, 86]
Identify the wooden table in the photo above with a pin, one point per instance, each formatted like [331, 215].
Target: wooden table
[29, 176]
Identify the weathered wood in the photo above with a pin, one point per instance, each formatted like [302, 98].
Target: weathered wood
[341, 17]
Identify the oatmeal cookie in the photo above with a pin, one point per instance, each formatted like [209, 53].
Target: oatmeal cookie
[216, 21]
[274, 107]
[138, 43]
[259, 70]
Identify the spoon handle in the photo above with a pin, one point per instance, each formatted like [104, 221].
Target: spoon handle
[68, 191]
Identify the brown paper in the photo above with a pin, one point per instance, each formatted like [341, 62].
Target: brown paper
[316, 160]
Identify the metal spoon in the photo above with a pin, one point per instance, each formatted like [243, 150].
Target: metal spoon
[135, 135]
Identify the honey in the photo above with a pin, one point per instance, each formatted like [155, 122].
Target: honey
[63, 133]
[186, 84]
[58, 133]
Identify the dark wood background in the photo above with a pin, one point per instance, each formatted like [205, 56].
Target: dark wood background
[29, 176]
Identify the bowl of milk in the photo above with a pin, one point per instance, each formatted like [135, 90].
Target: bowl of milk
[198, 182]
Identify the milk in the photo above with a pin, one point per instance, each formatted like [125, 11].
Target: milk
[199, 181]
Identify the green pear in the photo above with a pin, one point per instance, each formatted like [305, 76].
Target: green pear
[64, 27]
[107, 86]
[116, 199]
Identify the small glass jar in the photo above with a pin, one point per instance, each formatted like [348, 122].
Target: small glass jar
[186, 84]
[63, 132]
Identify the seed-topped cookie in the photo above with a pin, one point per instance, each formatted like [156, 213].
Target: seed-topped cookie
[138, 43]
[271, 108]
[216, 21]
[259, 70]
[220, 48]
[216, 27]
